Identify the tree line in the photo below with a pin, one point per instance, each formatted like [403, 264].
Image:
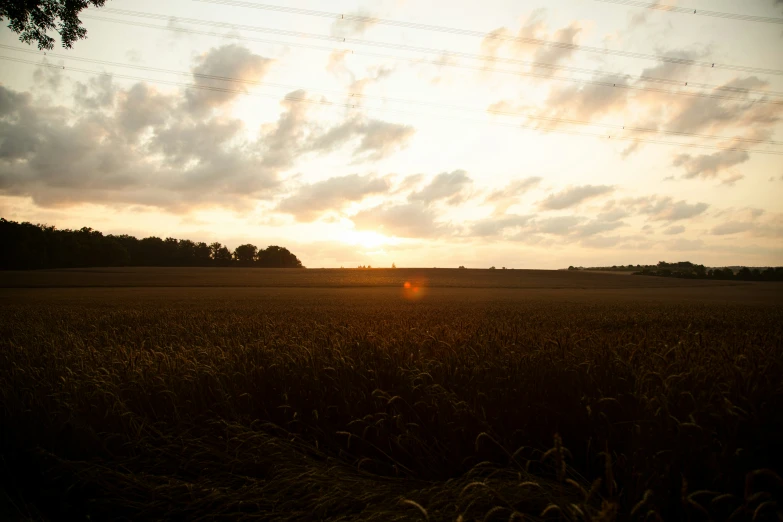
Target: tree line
[688, 270]
[27, 246]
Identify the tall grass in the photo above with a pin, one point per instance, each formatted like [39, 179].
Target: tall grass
[361, 408]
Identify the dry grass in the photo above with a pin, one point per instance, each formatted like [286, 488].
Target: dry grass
[358, 404]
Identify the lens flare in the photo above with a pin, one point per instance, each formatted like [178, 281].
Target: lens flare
[414, 289]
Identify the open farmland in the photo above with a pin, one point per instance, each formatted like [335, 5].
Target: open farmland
[335, 278]
[342, 394]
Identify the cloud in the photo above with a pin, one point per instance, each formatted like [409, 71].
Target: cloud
[184, 141]
[584, 101]
[717, 114]
[495, 225]
[410, 182]
[665, 208]
[380, 139]
[227, 61]
[637, 17]
[282, 141]
[312, 200]
[377, 139]
[671, 68]
[492, 43]
[417, 216]
[98, 93]
[47, 77]
[754, 221]
[598, 226]
[177, 151]
[673, 231]
[686, 244]
[709, 165]
[534, 27]
[445, 186]
[140, 107]
[553, 55]
[573, 196]
[503, 198]
[731, 227]
[411, 220]
[357, 87]
[344, 28]
[524, 227]
[336, 63]
[611, 214]
[559, 225]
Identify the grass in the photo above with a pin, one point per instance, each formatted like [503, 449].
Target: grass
[611, 403]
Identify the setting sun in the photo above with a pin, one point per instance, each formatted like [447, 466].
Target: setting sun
[366, 239]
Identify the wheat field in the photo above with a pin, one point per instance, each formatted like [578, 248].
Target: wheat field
[349, 395]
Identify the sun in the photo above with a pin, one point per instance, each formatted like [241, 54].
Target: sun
[365, 238]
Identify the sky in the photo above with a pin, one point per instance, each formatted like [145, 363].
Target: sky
[535, 134]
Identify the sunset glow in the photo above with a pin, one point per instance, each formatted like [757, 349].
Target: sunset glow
[359, 142]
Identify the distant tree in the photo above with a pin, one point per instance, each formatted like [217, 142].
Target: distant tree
[214, 248]
[223, 257]
[462, 267]
[32, 19]
[171, 251]
[245, 254]
[277, 257]
[27, 246]
[202, 254]
[492, 268]
[394, 266]
[186, 253]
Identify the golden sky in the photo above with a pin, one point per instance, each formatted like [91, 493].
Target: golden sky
[436, 133]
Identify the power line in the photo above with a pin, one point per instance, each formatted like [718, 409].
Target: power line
[427, 50]
[615, 84]
[353, 106]
[468, 32]
[699, 12]
[230, 79]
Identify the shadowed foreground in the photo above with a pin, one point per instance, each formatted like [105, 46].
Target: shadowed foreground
[375, 404]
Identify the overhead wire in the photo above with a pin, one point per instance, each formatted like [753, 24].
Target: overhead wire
[259, 83]
[353, 106]
[698, 12]
[496, 36]
[426, 50]
[545, 76]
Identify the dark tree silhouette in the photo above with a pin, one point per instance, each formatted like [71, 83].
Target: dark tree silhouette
[245, 254]
[688, 270]
[32, 19]
[27, 246]
[277, 256]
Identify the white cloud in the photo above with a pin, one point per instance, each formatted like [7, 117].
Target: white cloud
[573, 196]
[311, 200]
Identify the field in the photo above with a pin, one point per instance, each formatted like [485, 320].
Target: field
[186, 394]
